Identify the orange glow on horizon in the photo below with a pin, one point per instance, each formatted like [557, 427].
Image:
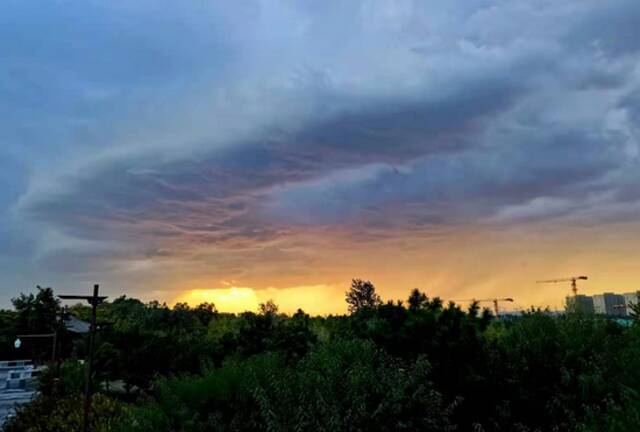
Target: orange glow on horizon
[467, 263]
[313, 299]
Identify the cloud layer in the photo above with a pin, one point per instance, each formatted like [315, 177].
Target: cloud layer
[163, 143]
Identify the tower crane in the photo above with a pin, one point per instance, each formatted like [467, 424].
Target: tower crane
[495, 302]
[573, 280]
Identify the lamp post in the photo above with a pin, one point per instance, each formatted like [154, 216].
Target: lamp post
[57, 337]
[18, 342]
[94, 300]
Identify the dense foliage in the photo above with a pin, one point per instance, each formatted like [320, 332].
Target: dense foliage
[386, 366]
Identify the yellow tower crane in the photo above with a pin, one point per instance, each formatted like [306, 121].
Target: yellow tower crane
[495, 302]
[573, 280]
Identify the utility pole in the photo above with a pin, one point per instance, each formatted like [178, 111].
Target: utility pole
[58, 344]
[94, 300]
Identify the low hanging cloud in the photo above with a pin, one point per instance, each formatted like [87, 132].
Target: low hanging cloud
[216, 140]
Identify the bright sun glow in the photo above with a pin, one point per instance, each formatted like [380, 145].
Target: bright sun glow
[314, 299]
[232, 299]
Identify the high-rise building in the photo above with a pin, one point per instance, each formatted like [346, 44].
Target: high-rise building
[631, 298]
[609, 304]
[579, 303]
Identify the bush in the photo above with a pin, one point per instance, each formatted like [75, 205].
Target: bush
[344, 385]
[65, 415]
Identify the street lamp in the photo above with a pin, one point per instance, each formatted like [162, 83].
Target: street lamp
[18, 342]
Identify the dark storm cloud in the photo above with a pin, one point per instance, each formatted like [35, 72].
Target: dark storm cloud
[211, 196]
[475, 183]
[610, 27]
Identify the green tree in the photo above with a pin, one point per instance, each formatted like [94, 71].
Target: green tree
[65, 415]
[37, 314]
[268, 308]
[341, 385]
[205, 312]
[362, 296]
[196, 370]
[417, 300]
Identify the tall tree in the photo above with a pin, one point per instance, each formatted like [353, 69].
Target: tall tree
[268, 308]
[362, 295]
[417, 300]
[37, 314]
[205, 312]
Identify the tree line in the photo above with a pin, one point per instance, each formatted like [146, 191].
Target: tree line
[414, 365]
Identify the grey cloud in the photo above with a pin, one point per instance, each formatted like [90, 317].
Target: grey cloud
[610, 27]
[212, 196]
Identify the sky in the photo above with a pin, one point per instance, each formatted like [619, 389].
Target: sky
[236, 152]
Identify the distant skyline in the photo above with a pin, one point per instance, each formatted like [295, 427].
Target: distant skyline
[239, 151]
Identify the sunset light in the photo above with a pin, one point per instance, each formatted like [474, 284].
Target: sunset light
[318, 299]
[226, 299]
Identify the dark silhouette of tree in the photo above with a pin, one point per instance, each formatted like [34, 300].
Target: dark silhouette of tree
[417, 300]
[205, 312]
[181, 307]
[268, 308]
[361, 296]
[37, 314]
[8, 335]
[435, 304]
